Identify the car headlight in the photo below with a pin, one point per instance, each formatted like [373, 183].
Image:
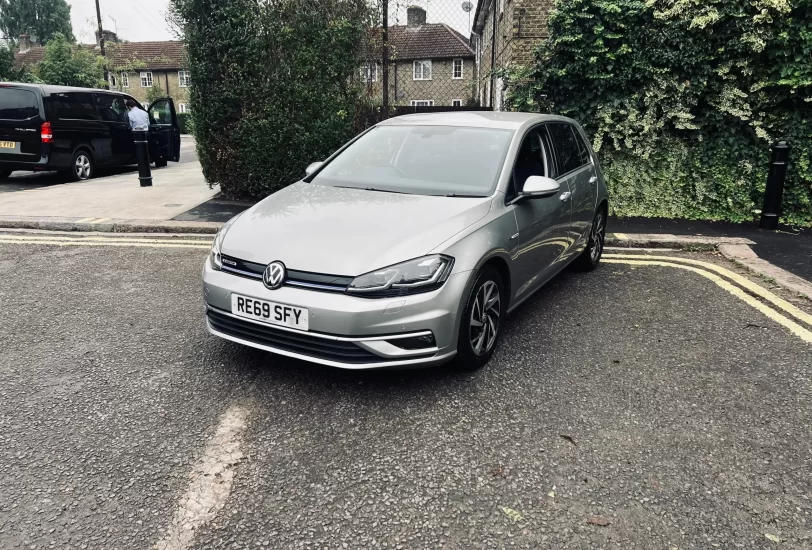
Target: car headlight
[215, 255]
[420, 275]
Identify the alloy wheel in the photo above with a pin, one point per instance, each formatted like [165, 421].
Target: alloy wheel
[82, 167]
[597, 238]
[485, 316]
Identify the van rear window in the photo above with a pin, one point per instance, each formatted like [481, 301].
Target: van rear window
[18, 104]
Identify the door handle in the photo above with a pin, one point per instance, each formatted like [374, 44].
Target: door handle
[593, 179]
[565, 196]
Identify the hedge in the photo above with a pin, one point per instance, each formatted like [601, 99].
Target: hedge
[683, 99]
[281, 85]
[186, 123]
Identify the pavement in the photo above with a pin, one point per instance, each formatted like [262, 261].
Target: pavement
[643, 405]
[116, 196]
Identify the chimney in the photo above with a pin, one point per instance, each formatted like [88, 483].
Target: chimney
[25, 43]
[109, 37]
[415, 16]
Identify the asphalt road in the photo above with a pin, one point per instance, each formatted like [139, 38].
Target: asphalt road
[648, 397]
[23, 181]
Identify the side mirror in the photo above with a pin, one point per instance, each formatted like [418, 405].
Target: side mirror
[536, 187]
[313, 167]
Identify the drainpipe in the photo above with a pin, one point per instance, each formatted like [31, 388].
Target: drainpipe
[493, 51]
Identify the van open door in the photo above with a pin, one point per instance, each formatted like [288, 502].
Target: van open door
[164, 132]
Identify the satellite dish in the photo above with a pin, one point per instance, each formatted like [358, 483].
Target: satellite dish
[467, 6]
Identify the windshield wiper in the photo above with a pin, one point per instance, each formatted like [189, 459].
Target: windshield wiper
[371, 189]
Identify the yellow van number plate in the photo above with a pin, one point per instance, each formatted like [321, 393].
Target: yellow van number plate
[8, 145]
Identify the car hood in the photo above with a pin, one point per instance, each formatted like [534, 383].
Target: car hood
[339, 231]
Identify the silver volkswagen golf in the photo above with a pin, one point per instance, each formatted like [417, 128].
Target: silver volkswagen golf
[410, 244]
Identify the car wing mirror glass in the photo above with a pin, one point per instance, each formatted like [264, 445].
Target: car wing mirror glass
[539, 187]
[313, 167]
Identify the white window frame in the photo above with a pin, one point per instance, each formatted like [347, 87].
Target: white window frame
[182, 108]
[184, 79]
[422, 103]
[112, 80]
[146, 76]
[454, 68]
[457, 101]
[423, 63]
[369, 72]
[125, 80]
[145, 106]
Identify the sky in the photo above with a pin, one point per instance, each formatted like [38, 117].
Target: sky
[142, 20]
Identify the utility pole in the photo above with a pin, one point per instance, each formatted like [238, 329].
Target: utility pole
[385, 106]
[101, 46]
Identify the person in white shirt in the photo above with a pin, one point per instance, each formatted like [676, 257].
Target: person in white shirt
[139, 120]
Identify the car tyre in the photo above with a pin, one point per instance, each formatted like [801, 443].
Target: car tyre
[481, 322]
[4, 174]
[82, 167]
[591, 256]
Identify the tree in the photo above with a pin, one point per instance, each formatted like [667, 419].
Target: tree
[39, 18]
[682, 99]
[155, 92]
[66, 64]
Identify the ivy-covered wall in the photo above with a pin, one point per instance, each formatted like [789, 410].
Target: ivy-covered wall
[683, 99]
[275, 85]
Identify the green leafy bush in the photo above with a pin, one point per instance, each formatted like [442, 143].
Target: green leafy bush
[276, 85]
[186, 123]
[65, 64]
[683, 99]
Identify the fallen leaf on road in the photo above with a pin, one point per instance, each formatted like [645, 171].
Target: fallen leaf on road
[512, 514]
[599, 520]
[569, 438]
[551, 494]
[774, 538]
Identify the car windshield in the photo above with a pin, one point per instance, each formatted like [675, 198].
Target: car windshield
[421, 160]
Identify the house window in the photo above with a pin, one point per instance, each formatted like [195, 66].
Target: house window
[422, 103]
[125, 80]
[422, 69]
[182, 108]
[112, 80]
[184, 79]
[456, 68]
[369, 72]
[146, 79]
[456, 103]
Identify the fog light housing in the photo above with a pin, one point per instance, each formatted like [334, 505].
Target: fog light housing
[414, 342]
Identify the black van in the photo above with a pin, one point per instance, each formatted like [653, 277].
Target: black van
[75, 130]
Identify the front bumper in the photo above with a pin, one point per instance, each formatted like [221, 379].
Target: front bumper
[345, 331]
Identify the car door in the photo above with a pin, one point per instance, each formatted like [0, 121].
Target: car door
[543, 223]
[164, 131]
[575, 161]
[113, 113]
[77, 124]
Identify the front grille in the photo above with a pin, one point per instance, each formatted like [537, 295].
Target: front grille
[303, 343]
[299, 279]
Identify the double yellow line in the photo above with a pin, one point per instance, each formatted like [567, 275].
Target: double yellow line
[725, 278]
[138, 242]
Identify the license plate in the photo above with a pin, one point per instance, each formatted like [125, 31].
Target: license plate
[270, 312]
[8, 144]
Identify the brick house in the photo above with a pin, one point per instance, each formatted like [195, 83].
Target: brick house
[133, 67]
[431, 64]
[505, 33]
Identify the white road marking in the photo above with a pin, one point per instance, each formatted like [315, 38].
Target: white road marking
[210, 482]
[100, 220]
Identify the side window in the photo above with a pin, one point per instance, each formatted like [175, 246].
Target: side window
[569, 154]
[583, 150]
[160, 113]
[75, 105]
[530, 161]
[111, 108]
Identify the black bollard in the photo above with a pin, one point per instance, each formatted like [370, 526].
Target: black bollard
[774, 194]
[142, 155]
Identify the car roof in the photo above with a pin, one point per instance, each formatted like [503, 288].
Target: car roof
[474, 119]
[51, 89]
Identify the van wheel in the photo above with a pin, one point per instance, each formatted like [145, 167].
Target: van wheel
[4, 174]
[82, 166]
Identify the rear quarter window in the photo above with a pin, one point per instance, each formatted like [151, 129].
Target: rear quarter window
[570, 153]
[18, 104]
